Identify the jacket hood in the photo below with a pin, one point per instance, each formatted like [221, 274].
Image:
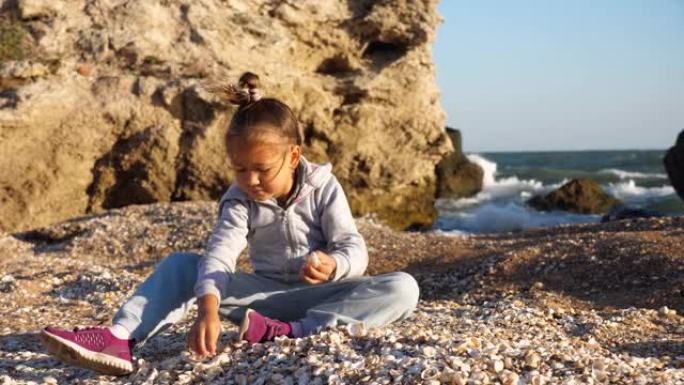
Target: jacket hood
[314, 176]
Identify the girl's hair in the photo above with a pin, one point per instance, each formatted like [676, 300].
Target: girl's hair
[257, 116]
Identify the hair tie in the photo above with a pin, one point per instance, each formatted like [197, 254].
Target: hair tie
[254, 94]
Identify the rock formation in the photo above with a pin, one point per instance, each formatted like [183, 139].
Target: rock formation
[674, 164]
[457, 176]
[582, 196]
[102, 103]
[620, 212]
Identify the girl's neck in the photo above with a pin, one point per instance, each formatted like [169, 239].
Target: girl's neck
[282, 201]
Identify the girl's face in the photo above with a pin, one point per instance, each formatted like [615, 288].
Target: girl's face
[264, 169]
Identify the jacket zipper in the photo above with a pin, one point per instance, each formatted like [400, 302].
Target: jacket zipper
[290, 239]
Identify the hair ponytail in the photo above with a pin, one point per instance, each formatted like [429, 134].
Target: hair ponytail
[242, 94]
[256, 115]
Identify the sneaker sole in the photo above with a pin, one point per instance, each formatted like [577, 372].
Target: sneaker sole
[244, 325]
[73, 354]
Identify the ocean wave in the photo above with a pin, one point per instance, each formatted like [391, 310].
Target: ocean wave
[494, 189]
[510, 216]
[629, 192]
[622, 174]
[500, 206]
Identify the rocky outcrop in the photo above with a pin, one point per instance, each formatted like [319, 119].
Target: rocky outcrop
[674, 164]
[107, 106]
[620, 212]
[457, 176]
[582, 196]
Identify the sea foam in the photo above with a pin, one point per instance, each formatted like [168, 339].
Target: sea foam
[622, 174]
[629, 192]
[500, 206]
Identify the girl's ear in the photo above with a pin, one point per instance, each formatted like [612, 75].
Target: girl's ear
[295, 154]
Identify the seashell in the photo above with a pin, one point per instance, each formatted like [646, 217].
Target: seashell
[184, 378]
[446, 375]
[532, 359]
[474, 343]
[479, 377]
[149, 379]
[598, 365]
[429, 351]
[388, 358]
[313, 259]
[497, 366]
[461, 347]
[509, 378]
[429, 374]
[459, 379]
[599, 375]
[335, 339]
[534, 378]
[357, 330]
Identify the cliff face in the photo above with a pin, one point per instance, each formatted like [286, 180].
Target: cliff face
[101, 104]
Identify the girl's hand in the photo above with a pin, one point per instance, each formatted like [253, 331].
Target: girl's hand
[205, 332]
[314, 273]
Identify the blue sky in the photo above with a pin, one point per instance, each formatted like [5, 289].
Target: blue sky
[562, 74]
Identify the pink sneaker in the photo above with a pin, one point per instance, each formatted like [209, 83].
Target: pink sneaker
[93, 348]
[257, 328]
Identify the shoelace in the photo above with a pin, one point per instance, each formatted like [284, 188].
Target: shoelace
[91, 336]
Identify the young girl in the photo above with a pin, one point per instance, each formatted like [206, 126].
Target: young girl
[307, 254]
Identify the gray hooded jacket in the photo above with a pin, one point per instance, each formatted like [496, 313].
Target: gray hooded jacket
[317, 217]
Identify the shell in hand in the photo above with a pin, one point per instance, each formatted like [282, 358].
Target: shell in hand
[313, 259]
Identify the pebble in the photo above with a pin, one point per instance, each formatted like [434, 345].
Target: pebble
[512, 338]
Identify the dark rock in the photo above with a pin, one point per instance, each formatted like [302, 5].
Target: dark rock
[619, 212]
[674, 165]
[457, 177]
[582, 196]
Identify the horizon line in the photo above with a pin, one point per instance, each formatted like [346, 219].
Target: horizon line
[568, 150]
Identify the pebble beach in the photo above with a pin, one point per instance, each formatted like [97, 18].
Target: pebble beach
[575, 304]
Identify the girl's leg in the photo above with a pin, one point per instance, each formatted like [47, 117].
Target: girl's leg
[374, 301]
[162, 299]
[268, 296]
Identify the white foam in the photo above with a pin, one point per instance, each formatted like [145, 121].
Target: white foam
[500, 206]
[510, 188]
[511, 216]
[487, 166]
[622, 174]
[629, 192]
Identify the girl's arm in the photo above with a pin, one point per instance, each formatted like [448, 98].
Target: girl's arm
[345, 245]
[226, 243]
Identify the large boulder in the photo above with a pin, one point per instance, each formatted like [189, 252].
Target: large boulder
[107, 106]
[674, 164]
[457, 177]
[582, 196]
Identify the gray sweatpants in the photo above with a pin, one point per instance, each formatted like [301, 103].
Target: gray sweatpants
[165, 297]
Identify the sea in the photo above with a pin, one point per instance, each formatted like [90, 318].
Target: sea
[637, 177]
